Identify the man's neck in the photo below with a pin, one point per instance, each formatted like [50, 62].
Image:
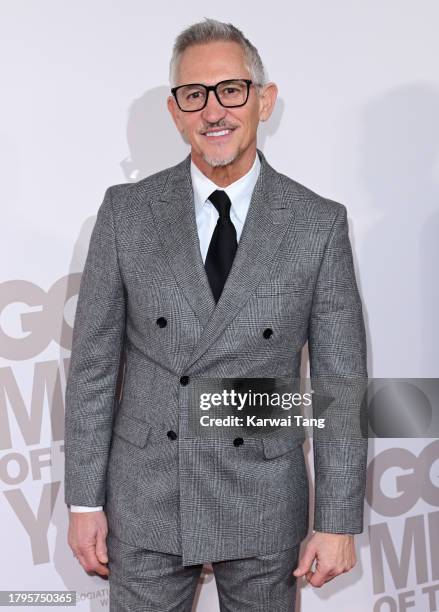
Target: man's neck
[223, 176]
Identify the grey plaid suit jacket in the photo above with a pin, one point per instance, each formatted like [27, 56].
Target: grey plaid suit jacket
[210, 500]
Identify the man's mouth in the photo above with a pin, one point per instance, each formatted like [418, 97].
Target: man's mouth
[219, 134]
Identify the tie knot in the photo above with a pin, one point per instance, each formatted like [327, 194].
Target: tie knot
[222, 203]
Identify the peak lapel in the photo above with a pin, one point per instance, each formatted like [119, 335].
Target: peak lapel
[174, 215]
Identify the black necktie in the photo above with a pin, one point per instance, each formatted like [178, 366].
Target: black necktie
[223, 245]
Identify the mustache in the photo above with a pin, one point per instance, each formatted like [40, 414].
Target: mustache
[216, 126]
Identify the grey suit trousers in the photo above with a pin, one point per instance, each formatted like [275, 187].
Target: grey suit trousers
[142, 580]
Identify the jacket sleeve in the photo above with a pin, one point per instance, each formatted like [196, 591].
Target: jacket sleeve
[338, 368]
[97, 346]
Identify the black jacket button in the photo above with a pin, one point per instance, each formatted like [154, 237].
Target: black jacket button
[161, 322]
[267, 332]
[184, 380]
[238, 442]
[171, 435]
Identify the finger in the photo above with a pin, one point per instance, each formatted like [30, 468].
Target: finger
[309, 575]
[305, 563]
[320, 577]
[91, 562]
[98, 568]
[101, 548]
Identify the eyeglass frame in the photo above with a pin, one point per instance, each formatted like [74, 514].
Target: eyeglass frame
[213, 88]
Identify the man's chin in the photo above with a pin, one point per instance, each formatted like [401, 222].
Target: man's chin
[216, 161]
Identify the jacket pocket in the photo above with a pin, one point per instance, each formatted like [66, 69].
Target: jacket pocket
[131, 430]
[281, 441]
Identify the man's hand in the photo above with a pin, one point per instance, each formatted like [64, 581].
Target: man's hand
[87, 538]
[334, 554]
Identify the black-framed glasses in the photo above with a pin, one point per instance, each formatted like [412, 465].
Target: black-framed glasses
[229, 93]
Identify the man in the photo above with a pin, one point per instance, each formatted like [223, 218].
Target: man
[217, 267]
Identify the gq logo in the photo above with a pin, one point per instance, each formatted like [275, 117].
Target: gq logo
[413, 482]
[404, 553]
[32, 328]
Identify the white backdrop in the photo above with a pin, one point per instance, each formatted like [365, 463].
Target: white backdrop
[82, 106]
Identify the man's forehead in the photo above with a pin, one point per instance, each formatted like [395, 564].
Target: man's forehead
[213, 62]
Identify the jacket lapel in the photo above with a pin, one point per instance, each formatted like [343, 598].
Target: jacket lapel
[174, 215]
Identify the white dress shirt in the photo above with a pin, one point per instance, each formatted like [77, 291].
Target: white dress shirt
[206, 216]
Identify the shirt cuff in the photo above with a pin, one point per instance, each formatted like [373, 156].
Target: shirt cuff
[85, 508]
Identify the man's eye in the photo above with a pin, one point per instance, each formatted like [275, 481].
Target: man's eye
[231, 90]
[194, 95]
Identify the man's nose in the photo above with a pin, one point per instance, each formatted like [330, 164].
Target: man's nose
[213, 111]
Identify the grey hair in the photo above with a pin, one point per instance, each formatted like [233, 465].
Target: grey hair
[212, 30]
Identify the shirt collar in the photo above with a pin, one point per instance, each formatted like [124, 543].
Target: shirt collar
[239, 191]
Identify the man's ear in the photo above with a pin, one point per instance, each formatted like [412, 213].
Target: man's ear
[175, 112]
[267, 100]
